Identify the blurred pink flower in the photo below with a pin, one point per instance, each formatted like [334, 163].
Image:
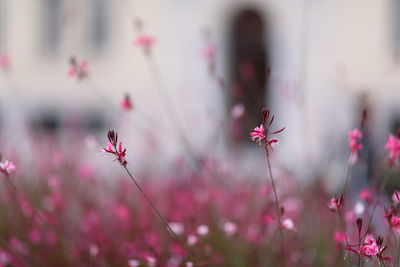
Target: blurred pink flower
[202, 230]
[35, 236]
[396, 197]
[208, 51]
[393, 146]
[230, 228]
[189, 264]
[395, 223]
[78, 69]
[133, 263]
[177, 227]
[355, 146]
[334, 204]
[339, 238]
[237, 111]
[126, 103]
[144, 41]
[192, 240]
[366, 195]
[7, 167]
[288, 224]
[4, 61]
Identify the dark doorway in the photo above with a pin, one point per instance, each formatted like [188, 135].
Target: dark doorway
[248, 70]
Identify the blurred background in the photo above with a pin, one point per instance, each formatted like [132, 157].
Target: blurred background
[315, 64]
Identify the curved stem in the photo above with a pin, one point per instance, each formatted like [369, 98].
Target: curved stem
[159, 214]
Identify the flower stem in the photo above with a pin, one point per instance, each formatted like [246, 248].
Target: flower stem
[159, 214]
[385, 179]
[277, 207]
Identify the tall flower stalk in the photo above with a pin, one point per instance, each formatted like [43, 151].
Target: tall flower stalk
[261, 135]
[115, 148]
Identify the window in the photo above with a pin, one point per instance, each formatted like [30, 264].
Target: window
[248, 73]
[98, 24]
[2, 25]
[51, 25]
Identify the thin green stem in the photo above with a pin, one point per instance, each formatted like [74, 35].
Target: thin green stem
[277, 205]
[159, 214]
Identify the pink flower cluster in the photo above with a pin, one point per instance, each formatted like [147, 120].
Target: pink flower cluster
[126, 103]
[393, 146]
[7, 167]
[258, 135]
[119, 153]
[355, 146]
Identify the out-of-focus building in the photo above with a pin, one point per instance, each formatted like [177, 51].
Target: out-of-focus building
[310, 61]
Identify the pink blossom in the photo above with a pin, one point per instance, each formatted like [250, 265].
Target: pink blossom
[202, 230]
[133, 263]
[395, 223]
[189, 264]
[366, 195]
[369, 248]
[258, 135]
[237, 111]
[144, 41]
[35, 236]
[334, 204]
[78, 69]
[288, 224]
[177, 227]
[355, 146]
[94, 250]
[4, 61]
[396, 197]
[119, 153]
[230, 228]
[126, 103]
[192, 240]
[208, 51]
[339, 238]
[393, 146]
[7, 167]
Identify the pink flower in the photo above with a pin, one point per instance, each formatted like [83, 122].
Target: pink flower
[355, 146]
[288, 224]
[396, 197]
[126, 103]
[230, 228]
[335, 204]
[237, 111]
[395, 223]
[208, 51]
[7, 167]
[339, 238]
[119, 153]
[78, 69]
[203, 230]
[366, 195]
[369, 248]
[4, 61]
[258, 135]
[393, 146]
[144, 41]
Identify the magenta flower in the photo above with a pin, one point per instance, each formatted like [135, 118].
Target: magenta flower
[396, 197]
[369, 248]
[145, 41]
[78, 69]
[366, 195]
[7, 167]
[112, 148]
[339, 238]
[393, 146]
[258, 135]
[4, 61]
[126, 103]
[355, 146]
[208, 51]
[335, 204]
